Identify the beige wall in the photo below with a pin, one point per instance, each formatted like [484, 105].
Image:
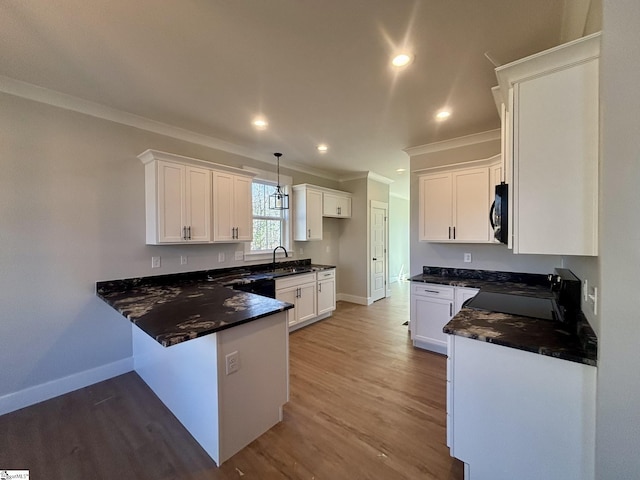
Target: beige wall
[353, 242]
[72, 213]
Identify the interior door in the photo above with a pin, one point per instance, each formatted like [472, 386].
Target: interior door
[378, 238]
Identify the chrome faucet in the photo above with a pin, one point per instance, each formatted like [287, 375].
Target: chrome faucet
[286, 255]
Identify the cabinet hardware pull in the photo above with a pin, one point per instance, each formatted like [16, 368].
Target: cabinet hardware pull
[454, 233]
[449, 233]
[189, 230]
[184, 233]
[432, 291]
[309, 234]
[451, 309]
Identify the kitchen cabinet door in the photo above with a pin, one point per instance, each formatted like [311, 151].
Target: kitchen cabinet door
[471, 205]
[232, 218]
[436, 197]
[432, 306]
[307, 203]
[289, 295]
[178, 203]
[336, 205]
[326, 291]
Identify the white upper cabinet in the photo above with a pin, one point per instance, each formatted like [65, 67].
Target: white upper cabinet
[454, 205]
[336, 204]
[180, 197]
[553, 112]
[178, 203]
[232, 212]
[307, 206]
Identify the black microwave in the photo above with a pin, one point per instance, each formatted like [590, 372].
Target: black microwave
[499, 213]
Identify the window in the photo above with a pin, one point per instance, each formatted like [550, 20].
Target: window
[270, 227]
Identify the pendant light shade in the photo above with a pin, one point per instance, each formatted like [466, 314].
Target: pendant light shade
[278, 200]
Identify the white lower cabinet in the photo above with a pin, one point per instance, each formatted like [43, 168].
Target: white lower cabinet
[313, 295]
[516, 414]
[326, 291]
[432, 306]
[299, 290]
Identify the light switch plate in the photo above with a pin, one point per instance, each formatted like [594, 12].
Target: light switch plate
[467, 258]
[155, 262]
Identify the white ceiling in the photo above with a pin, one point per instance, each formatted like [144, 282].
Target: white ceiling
[318, 70]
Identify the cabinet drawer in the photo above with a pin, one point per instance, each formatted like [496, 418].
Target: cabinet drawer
[326, 274]
[433, 290]
[295, 280]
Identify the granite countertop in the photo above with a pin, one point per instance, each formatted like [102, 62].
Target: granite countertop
[545, 337]
[179, 307]
[535, 335]
[527, 284]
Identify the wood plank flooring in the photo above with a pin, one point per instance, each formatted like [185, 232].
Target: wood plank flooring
[364, 405]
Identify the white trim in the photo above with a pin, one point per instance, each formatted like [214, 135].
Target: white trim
[54, 388]
[344, 297]
[458, 142]
[483, 162]
[368, 175]
[397, 195]
[379, 178]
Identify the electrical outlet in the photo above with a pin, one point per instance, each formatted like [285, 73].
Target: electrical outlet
[467, 258]
[239, 255]
[232, 362]
[220, 257]
[155, 262]
[183, 259]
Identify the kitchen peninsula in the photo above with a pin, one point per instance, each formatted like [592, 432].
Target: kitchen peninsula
[521, 373]
[216, 357]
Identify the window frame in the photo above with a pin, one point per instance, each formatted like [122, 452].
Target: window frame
[269, 178]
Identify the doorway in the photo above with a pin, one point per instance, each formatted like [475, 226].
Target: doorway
[378, 237]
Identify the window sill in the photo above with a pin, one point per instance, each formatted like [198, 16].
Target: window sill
[252, 257]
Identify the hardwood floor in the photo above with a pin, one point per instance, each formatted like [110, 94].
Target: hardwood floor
[364, 405]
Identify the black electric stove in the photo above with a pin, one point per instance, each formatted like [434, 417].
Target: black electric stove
[515, 305]
[561, 307]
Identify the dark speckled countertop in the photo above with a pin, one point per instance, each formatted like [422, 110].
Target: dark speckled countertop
[545, 337]
[179, 307]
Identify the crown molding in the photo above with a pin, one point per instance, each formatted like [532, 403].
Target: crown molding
[65, 101]
[379, 178]
[457, 142]
[397, 195]
[368, 175]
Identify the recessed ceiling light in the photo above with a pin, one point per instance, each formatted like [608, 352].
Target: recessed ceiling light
[401, 170]
[322, 148]
[402, 60]
[260, 123]
[443, 115]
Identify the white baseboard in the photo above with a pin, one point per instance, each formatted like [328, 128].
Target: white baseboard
[353, 299]
[39, 393]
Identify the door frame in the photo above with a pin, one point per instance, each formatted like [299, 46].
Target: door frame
[383, 206]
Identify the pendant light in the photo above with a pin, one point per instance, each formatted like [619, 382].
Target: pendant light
[278, 200]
